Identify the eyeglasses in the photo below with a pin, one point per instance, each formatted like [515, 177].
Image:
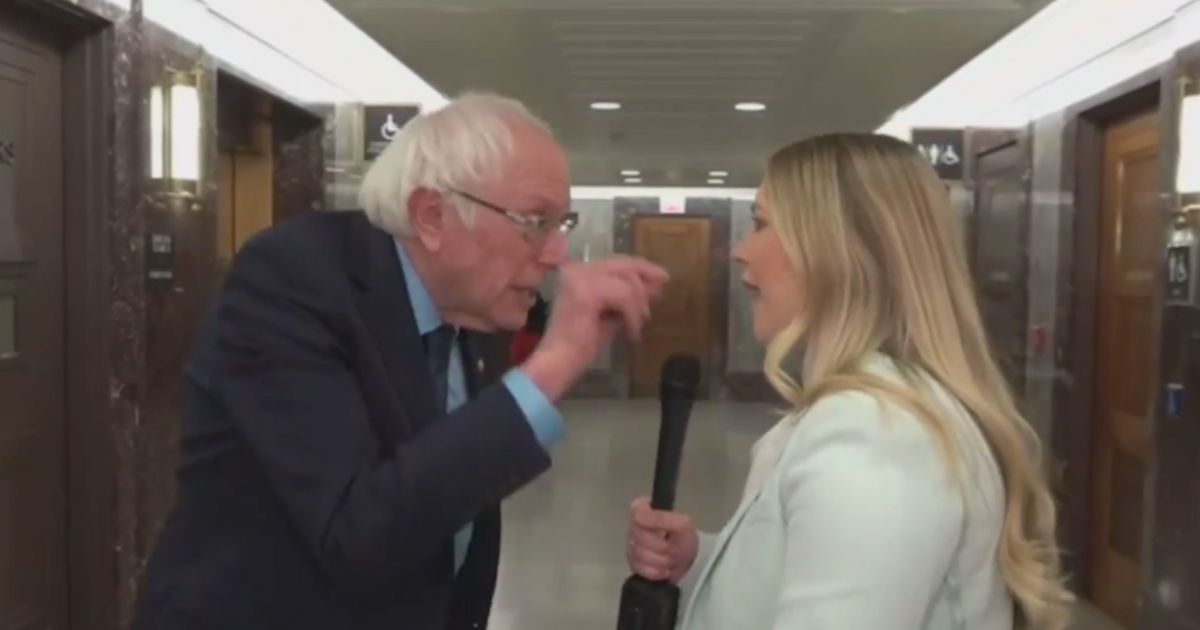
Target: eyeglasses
[535, 227]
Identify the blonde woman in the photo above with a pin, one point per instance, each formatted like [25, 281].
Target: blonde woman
[904, 490]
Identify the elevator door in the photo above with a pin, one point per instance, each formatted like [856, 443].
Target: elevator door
[1130, 235]
[32, 378]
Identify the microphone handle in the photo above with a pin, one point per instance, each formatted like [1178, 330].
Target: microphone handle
[676, 406]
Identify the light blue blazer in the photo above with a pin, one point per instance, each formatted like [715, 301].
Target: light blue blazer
[851, 521]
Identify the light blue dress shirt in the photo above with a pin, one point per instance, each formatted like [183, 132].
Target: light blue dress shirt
[543, 418]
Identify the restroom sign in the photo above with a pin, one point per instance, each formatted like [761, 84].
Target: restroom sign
[381, 123]
[944, 148]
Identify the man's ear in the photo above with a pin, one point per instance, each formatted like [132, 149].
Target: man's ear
[426, 217]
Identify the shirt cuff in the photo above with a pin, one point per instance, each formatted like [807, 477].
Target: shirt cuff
[543, 418]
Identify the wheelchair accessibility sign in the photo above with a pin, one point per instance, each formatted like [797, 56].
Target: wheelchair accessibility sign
[944, 150]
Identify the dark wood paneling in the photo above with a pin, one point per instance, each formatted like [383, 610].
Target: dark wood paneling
[88, 83]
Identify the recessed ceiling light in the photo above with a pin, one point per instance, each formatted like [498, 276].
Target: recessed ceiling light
[718, 173]
[716, 182]
[633, 180]
[606, 106]
[750, 106]
[630, 172]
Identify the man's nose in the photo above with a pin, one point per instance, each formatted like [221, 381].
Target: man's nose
[555, 251]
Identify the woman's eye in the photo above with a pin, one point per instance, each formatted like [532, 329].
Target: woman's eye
[759, 224]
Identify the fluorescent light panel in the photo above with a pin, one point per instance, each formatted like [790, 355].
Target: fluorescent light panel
[348, 67]
[1070, 50]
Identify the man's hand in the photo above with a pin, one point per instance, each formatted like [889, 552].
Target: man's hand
[662, 545]
[593, 303]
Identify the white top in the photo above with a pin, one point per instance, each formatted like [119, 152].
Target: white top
[851, 521]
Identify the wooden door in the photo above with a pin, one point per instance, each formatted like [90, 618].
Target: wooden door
[32, 378]
[1131, 235]
[680, 319]
[1000, 259]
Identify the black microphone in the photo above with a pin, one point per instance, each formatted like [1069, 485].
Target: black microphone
[646, 604]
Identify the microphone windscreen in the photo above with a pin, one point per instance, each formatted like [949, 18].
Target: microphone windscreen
[681, 371]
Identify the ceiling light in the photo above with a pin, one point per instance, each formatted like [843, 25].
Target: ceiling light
[718, 173]
[716, 181]
[630, 172]
[606, 106]
[633, 180]
[750, 106]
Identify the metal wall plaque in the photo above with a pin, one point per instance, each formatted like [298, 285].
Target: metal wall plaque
[160, 258]
[1181, 267]
[381, 123]
[944, 148]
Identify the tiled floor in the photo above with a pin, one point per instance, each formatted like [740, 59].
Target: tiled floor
[563, 559]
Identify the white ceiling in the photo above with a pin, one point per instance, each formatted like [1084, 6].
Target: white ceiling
[679, 66]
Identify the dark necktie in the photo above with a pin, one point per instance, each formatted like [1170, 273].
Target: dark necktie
[438, 345]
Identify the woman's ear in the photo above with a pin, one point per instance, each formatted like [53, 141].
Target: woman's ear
[426, 217]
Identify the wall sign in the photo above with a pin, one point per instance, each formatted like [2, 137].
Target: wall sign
[1181, 266]
[944, 148]
[160, 259]
[381, 123]
[1179, 274]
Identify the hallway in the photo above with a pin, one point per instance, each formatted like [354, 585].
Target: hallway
[562, 563]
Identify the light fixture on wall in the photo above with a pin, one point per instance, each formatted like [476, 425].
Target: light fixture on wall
[176, 149]
[1187, 177]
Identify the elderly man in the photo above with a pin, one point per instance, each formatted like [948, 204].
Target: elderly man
[342, 462]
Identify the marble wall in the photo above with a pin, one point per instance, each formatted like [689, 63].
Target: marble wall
[298, 160]
[1045, 272]
[1171, 584]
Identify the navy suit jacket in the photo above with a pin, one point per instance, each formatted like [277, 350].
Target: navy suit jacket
[318, 489]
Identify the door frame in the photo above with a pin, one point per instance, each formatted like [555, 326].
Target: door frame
[1084, 175]
[718, 211]
[88, 175]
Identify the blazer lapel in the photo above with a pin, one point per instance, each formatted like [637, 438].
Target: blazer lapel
[718, 548]
[736, 520]
[384, 305]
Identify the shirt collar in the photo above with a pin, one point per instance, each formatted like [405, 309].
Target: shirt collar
[428, 318]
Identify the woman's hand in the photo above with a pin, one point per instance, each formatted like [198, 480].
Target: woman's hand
[662, 545]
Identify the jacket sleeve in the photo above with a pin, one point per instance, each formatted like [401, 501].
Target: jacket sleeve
[371, 513]
[872, 524]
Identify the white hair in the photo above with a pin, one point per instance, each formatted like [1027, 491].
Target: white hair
[452, 147]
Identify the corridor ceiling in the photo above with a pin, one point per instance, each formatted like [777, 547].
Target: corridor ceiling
[678, 67]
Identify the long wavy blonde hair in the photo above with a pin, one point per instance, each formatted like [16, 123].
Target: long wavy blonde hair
[878, 253]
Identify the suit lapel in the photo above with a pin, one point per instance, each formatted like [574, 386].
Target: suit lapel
[385, 308]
